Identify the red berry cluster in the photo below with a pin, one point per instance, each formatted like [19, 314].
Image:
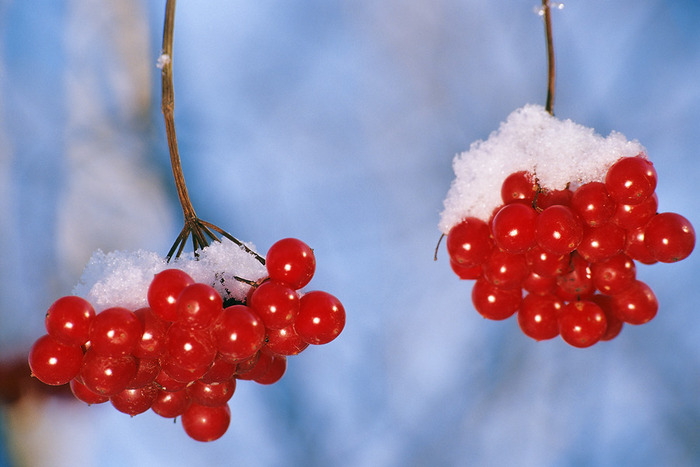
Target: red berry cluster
[182, 355]
[573, 253]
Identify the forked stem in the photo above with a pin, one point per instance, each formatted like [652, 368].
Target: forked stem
[202, 232]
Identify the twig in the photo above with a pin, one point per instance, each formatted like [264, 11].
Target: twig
[549, 107]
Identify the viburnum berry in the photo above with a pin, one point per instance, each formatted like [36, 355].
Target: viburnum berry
[135, 401]
[275, 303]
[593, 204]
[577, 282]
[519, 186]
[631, 180]
[614, 274]
[68, 320]
[469, 242]
[107, 375]
[582, 323]
[189, 348]
[198, 305]
[547, 264]
[220, 371]
[493, 302]
[538, 316]
[547, 198]
[275, 370]
[171, 404]
[513, 227]
[82, 393]
[239, 332]
[164, 290]
[203, 423]
[614, 324]
[669, 237]
[211, 394]
[115, 331]
[285, 341]
[636, 248]
[505, 270]
[637, 304]
[465, 272]
[629, 216]
[152, 343]
[54, 363]
[321, 317]
[146, 371]
[558, 230]
[291, 261]
[601, 242]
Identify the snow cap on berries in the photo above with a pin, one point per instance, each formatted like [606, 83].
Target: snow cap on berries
[121, 278]
[556, 151]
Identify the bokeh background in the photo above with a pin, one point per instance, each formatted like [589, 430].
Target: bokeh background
[336, 122]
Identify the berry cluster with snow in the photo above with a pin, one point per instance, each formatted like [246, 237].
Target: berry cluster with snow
[559, 153]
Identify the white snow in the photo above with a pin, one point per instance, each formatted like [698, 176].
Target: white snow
[121, 278]
[556, 151]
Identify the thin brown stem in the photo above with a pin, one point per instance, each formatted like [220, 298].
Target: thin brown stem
[202, 232]
[549, 107]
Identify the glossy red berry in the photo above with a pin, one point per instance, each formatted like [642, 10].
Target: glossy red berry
[152, 343]
[291, 261]
[115, 331]
[135, 401]
[469, 242]
[107, 375]
[513, 227]
[54, 363]
[198, 305]
[68, 320]
[631, 180]
[82, 393]
[211, 394]
[630, 216]
[614, 275]
[285, 341]
[239, 332]
[204, 423]
[493, 302]
[538, 316]
[519, 186]
[275, 303]
[601, 242]
[669, 237]
[593, 204]
[164, 290]
[191, 349]
[321, 317]
[170, 404]
[505, 270]
[558, 230]
[636, 304]
[582, 323]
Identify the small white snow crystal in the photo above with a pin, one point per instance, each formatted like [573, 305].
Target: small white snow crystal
[556, 151]
[121, 278]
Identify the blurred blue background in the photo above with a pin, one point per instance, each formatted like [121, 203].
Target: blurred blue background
[336, 122]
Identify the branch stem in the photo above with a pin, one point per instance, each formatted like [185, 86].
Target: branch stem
[549, 107]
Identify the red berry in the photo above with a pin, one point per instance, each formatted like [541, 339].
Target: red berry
[54, 363]
[191, 349]
[582, 323]
[539, 285]
[152, 343]
[115, 331]
[537, 316]
[465, 272]
[239, 332]
[505, 270]
[68, 320]
[198, 305]
[321, 318]
[513, 227]
[211, 394]
[614, 274]
[637, 304]
[107, 375]
[519, 186]
[171, 404]
[577, 282]
[275, 370]
[558, 230]
[545, 263]
[615, 324]
[494, 302]
[593, 204]
[135, 401]
[601, 242]
[285, 341]
[547, 198]
[164, 290]
[220, 371]
[203, 423]
[636, 248]
[469, 242]
[82, 393]
[291, 261]
[146, 371]
[669, 237]
[275, 303]
[630, 216]
[631, 180]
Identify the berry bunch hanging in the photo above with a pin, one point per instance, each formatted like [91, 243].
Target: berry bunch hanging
[182, 355]
[571, 253]
[549, 218]
[175, 345]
